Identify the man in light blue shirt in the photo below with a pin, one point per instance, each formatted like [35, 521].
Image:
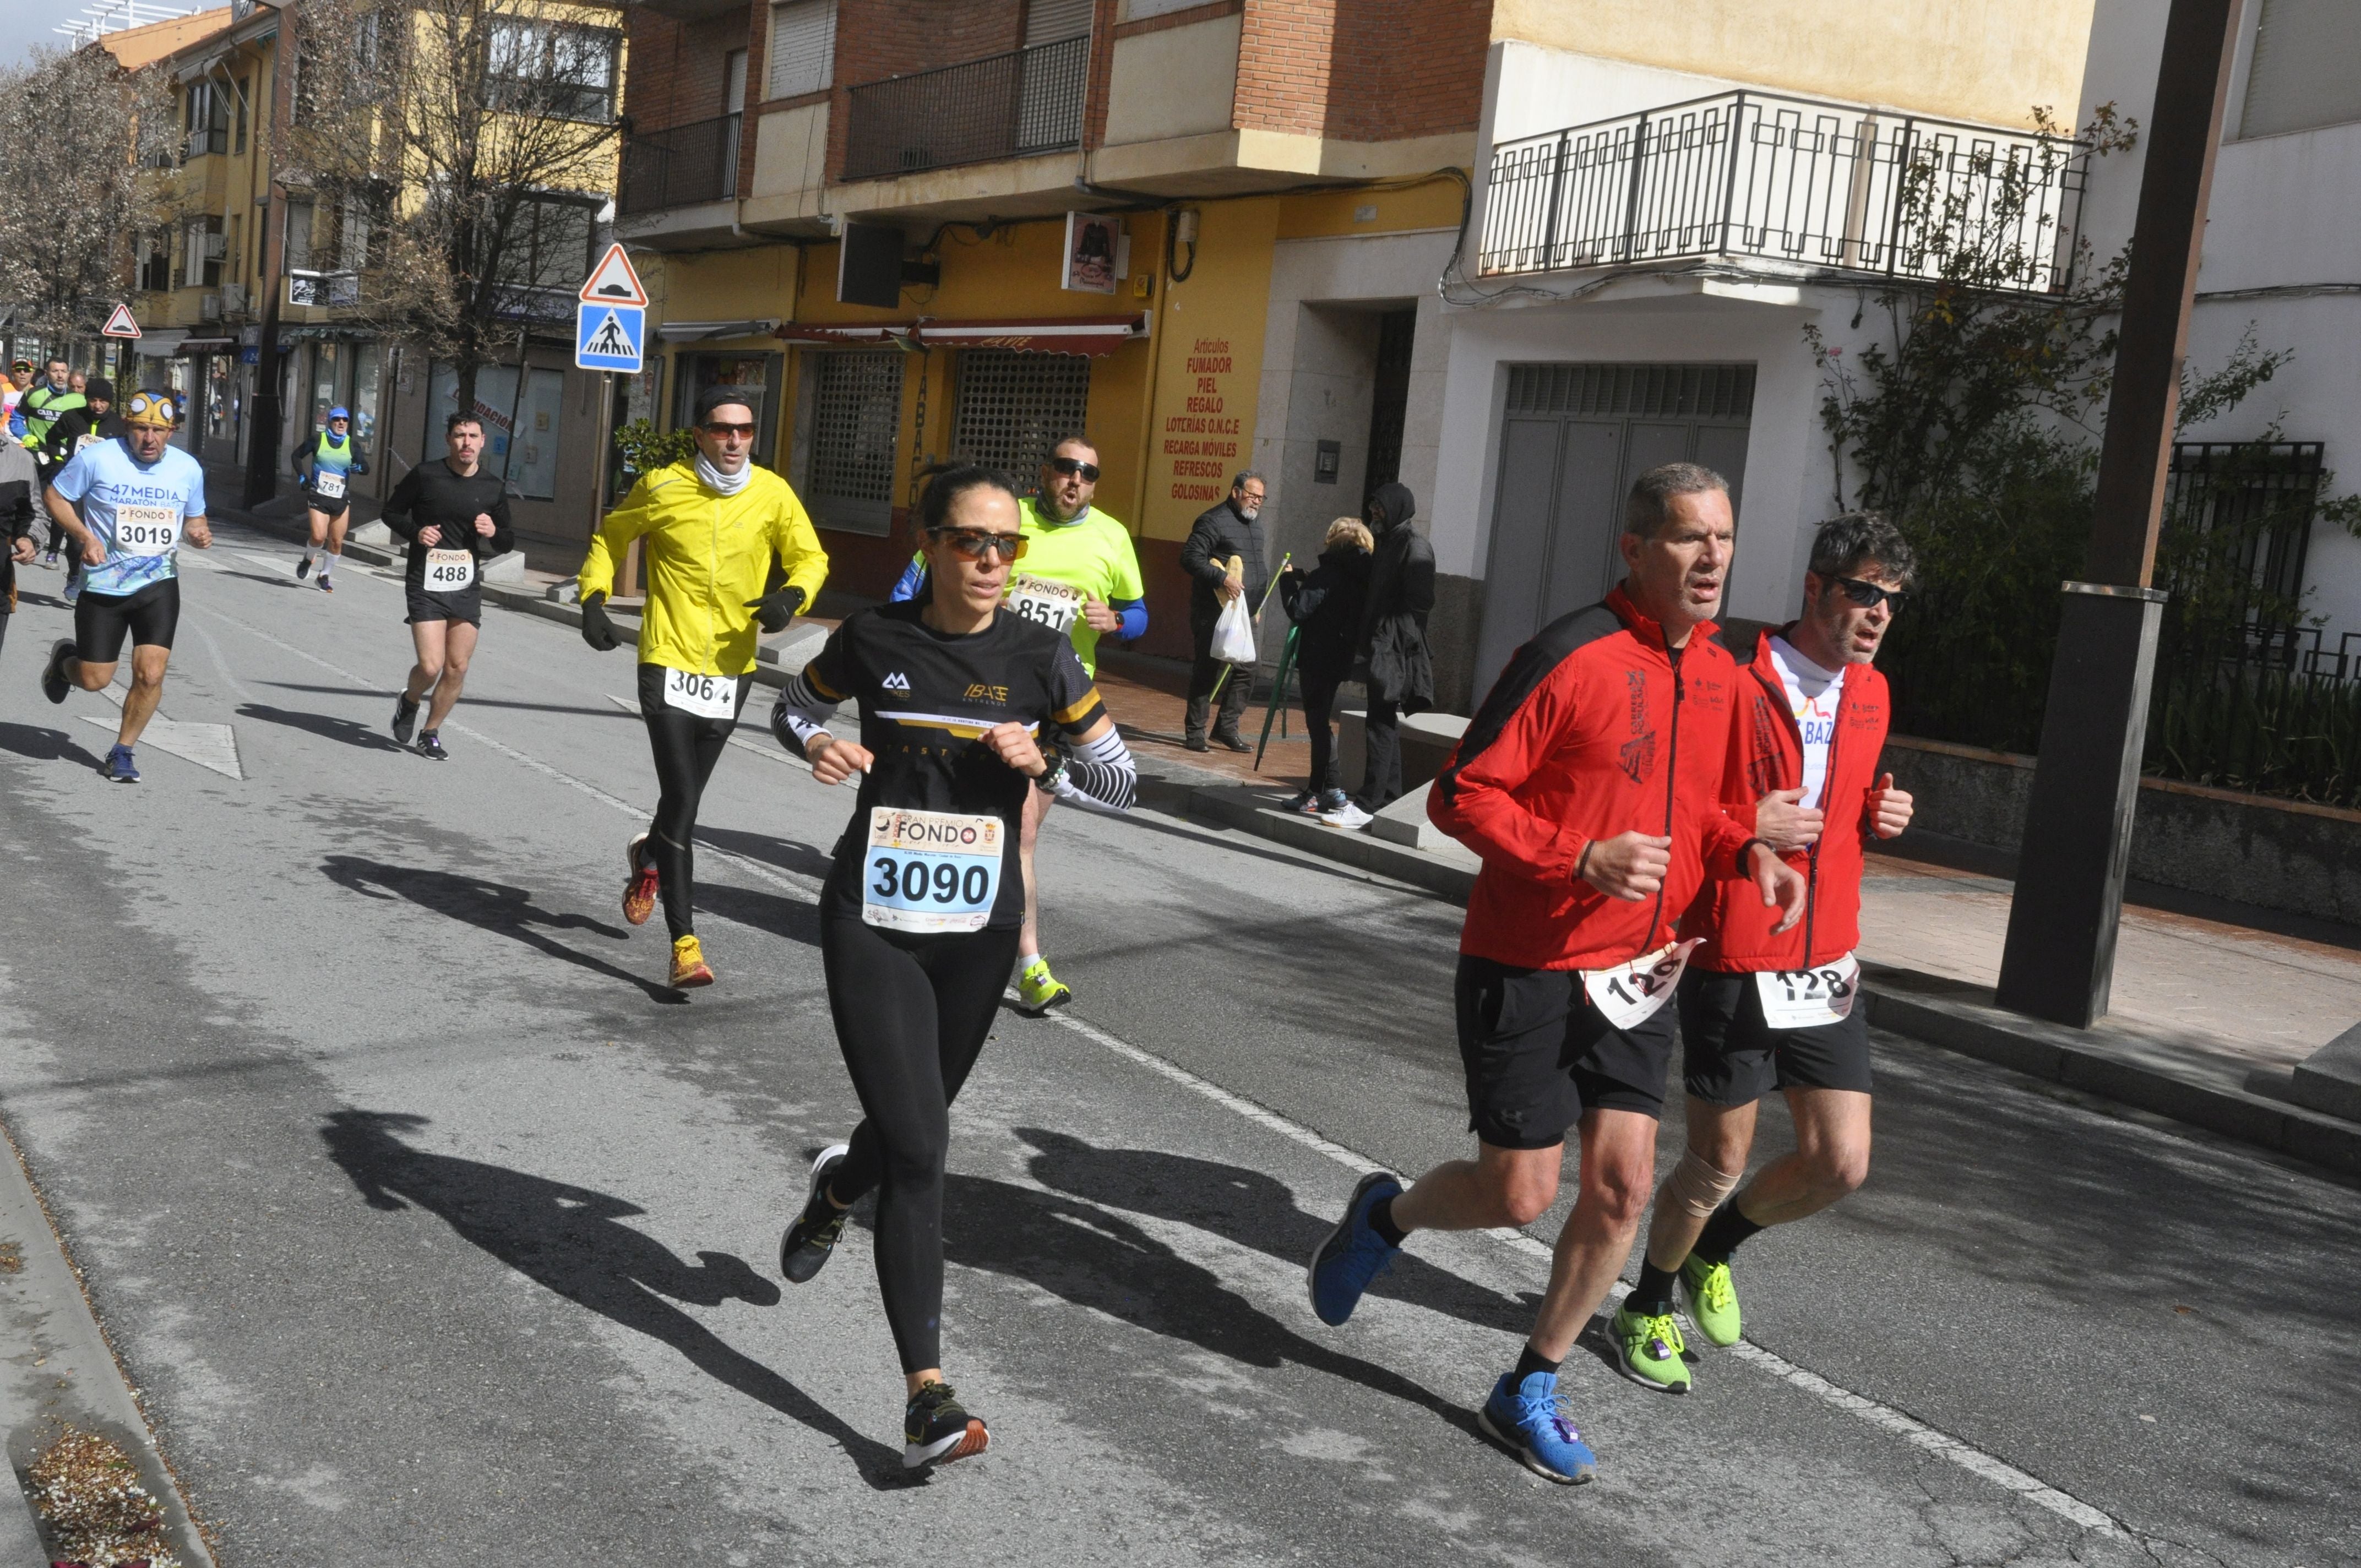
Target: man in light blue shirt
[128, 504]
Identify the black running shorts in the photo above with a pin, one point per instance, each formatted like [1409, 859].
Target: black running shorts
[467, 605]
[1731, 1057]
[1538, 1054]
[149, 617]
[329, 507]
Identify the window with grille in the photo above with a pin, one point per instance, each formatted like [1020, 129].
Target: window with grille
[856, 414]
[1711, 391]
[1011, 406]
[803, 46]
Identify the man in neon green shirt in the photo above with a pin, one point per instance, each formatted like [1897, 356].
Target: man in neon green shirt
[1080, 576]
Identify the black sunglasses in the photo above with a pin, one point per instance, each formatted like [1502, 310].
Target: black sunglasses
[1869, 596]
[977, 544]
[1089, 471]
[713, 428]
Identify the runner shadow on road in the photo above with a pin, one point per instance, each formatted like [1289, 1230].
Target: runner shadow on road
[351, 731]
[573, 1242]
[1101, 1261]
[1254, 1211]
[784, 854]
[489, 907]
[43, 745]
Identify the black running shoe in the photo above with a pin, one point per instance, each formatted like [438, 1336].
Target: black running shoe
[937, 1428]
[430, 746]
[405, 715]
[304, 567]
[53, 674]
[809, 1241]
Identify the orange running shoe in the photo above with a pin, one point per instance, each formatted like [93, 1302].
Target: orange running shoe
[689, 966]
[640, 891]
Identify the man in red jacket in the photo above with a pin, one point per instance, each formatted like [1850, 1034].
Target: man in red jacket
[1767, 1007]
[1590, 783]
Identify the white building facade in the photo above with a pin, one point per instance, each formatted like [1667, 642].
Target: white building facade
[1664, 204]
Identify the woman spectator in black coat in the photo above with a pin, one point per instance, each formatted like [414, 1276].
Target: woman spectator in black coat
[1390, 655]
[1325, 605]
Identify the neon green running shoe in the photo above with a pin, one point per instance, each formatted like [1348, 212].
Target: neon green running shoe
[1712, 1301]
[1039, 990]
[1650, 1350]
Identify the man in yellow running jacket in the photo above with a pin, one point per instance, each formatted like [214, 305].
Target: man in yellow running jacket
[713, 527]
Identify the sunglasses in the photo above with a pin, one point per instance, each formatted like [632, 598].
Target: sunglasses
[975, 543]
[1089, 471]
[724, 430]
[1869, 596]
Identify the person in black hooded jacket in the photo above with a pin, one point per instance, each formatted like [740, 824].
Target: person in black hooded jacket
[1390, 655]
[1325, 605]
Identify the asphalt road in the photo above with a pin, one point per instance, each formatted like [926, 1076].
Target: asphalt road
[435, 1230]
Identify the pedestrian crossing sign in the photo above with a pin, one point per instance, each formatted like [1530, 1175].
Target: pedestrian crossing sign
[609, 338]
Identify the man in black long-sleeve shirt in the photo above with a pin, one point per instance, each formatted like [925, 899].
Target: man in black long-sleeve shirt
[18, 481]
[455, 518]
[1228, 533]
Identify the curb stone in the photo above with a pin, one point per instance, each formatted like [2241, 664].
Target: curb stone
[2114, 1064]
[60, 1369]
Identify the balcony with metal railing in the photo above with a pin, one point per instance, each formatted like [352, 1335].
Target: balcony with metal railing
[1018, 105]
[680, 167]
[1816, 185]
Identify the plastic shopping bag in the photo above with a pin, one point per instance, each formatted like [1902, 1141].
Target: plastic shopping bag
[1234, 641]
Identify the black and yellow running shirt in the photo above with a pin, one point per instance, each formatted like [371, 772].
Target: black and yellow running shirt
[917, 854]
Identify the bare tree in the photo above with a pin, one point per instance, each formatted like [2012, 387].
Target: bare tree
[74, 130]
[457, 153]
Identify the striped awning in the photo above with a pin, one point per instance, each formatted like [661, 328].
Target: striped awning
[1094, 336]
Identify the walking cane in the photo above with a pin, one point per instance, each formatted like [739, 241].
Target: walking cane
[1215, 694]
[1277, 706]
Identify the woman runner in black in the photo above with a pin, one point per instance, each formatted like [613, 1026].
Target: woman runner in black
[919, 919]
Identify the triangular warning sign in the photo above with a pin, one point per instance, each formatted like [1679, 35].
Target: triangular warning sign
[613, 283]
[120, 324]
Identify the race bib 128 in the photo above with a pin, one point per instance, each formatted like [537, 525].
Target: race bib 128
[1798, 999]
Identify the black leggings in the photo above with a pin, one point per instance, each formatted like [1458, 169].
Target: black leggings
[1319, 701]
[687, 745]
[911, 1013]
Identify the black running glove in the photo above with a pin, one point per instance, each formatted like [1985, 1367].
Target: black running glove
[597, 630]
[774, 610]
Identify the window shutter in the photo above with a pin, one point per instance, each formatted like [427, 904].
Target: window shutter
[803, 46]
[2303, 76]
[1048, 21]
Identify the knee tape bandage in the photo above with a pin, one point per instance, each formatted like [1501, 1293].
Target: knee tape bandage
[1698, 1187]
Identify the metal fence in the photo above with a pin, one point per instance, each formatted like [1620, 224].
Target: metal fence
[680, 167]
[1009, 105]
[1817, 184]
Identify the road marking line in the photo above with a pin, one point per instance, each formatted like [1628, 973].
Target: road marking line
[1885, 1417]
[791, 881]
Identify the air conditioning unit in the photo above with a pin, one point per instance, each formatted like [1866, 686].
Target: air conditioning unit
[232, 298]
[216, 247]
[209, 308]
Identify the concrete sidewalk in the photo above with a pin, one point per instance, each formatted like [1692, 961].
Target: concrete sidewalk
[2209, 1017]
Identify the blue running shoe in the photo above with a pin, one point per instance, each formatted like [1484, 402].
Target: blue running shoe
[118, 766]
[1527, 1419]
[1351, 1254]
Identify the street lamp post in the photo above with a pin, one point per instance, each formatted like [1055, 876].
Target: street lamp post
[2059, 961]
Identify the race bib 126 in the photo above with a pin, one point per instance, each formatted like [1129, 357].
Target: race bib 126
[448, 571]
[708, 696]
[930, 871]
[1798, 999]
[147, 531]
[1629, 994]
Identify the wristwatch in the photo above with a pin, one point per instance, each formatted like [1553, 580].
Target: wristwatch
[1048, 781]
